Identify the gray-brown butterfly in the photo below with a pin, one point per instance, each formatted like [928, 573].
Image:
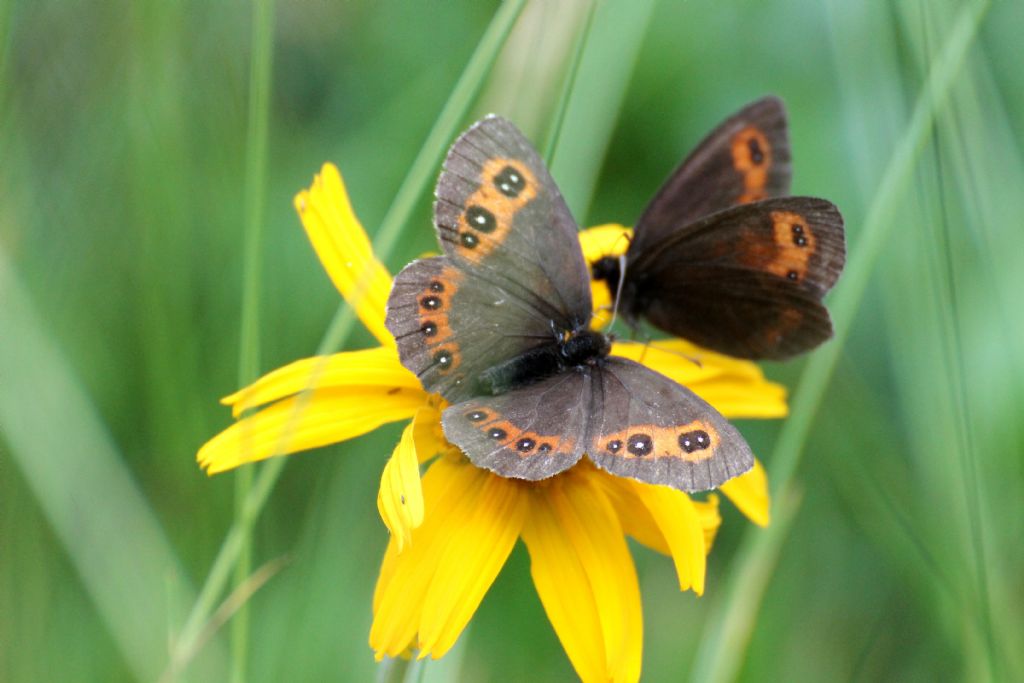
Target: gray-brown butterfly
[499, 326]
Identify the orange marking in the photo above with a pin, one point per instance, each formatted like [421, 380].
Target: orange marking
[664, 442]
[513, 435]
[501, 206]
[795, 243]
[453, 351]
[450, 279]
[754, 170]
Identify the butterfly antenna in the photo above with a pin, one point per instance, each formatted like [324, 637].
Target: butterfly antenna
[618, 288]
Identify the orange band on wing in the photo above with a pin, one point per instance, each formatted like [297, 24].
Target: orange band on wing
[433, 304]
[795, 245]
[506, 185]
[525, 443]
[692, 442]
[752, 157]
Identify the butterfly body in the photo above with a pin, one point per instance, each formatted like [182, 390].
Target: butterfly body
[721, 257]
[499, 326]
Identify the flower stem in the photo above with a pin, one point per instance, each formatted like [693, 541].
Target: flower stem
[720, 653]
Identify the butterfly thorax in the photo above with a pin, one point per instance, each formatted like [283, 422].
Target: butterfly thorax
[571, 349]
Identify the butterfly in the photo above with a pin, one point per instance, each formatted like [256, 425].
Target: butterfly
[499, 326]
[722, 257]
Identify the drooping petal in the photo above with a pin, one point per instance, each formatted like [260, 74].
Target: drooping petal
[400, 498]
[477, 550]
[585, 577]
[749, 492]
[378, 367]
[307, 421]
[736, 388]
[344, 249]
[710, 519]
[451, 489]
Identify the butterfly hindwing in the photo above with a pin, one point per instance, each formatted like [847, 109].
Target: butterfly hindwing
[647, 427]
[499, 213]
[747, 281]
[746, 158]
[533, 432]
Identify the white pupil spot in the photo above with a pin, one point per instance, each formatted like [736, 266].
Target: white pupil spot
[686, 443]
[700, 439]
[480, 220]
[513, 177]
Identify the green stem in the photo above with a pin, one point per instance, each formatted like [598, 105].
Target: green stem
[415, 184]
[720, 653]
[248, 354]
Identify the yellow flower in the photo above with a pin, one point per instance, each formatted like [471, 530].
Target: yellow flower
[452, 531]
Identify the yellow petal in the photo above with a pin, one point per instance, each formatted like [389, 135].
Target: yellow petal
[400, 498]
[478, 546]
[634, 516]
[344, 249]
[427, 433]
[680, 524]
[378, 367]
[450, 492]
[749, 492]
[585, 577]
[736, 388]
[710, 520]
[307, 421]
[597, 242]
[610, 239]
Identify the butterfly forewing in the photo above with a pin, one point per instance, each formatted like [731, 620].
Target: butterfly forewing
[747, 281]
[451, 325]
[746, 158]
[647, 427]
[499, 213]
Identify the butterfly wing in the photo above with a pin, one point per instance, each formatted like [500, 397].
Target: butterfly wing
[747, 281]
[744, 159]
[451, 325]
[499, 214]
[529, 433]
[513, 277]
[647, 427]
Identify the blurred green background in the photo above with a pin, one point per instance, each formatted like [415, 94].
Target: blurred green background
[123, 157]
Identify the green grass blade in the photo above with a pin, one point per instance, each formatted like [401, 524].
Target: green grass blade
[555, 129]
[613, 43]
[722, 645]
[248, 355]
[94, 506]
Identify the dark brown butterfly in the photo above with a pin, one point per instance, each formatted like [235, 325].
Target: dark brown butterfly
[722, 257]
[499, 327]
